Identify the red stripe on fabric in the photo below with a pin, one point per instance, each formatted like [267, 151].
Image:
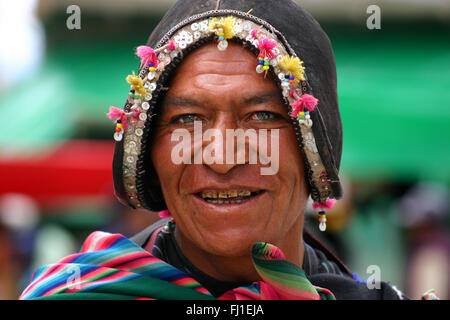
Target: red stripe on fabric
[123, 259]
[240, 294]
[90, 240]
[289, 293]
[184, 281]
[138, 263]
[55, 268]
[106, 241]
[109, 278]
[84, 277]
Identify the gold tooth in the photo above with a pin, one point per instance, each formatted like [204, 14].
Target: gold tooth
[209, 194]
[223, 194]
[246, 193]
[232, 193]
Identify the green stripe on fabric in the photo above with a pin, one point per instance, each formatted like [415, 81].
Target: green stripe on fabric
[280, 266]
[143, 287]
[289, 280]
[97, 277]
[86, 296]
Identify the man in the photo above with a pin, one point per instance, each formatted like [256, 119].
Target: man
[230, 126]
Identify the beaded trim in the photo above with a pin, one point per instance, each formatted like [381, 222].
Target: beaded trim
[180, 38]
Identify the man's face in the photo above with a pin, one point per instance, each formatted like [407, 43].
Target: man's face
[222, 90]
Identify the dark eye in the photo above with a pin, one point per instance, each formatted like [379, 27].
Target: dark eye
[187, 118]
[262, 115]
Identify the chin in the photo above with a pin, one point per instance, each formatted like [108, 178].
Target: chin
[231, 244]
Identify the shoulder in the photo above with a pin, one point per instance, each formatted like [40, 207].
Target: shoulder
[142, 237]
[324, 269]
[345, 288]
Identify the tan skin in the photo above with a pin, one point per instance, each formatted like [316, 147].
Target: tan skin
[225, 92]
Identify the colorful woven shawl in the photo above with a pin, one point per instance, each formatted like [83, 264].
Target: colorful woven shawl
[110, 266]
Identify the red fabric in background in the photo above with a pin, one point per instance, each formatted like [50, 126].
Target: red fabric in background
[73, 169]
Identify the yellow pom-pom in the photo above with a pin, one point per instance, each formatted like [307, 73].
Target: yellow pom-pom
[293, 65]
[151, 69]
[134, 80]
[212, 24]
[226, 24]
[141, 90]
[228, 27]
[137, 84]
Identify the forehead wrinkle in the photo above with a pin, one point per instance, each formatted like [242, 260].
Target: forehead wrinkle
[207, 69]
[220, 67]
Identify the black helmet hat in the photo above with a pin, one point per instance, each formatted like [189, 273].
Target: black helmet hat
[288, 43]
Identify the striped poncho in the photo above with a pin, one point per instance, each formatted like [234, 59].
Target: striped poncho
[110, 266]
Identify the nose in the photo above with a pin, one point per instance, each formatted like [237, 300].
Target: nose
[220, 151]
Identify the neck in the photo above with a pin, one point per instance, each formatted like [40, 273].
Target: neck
[240, 268]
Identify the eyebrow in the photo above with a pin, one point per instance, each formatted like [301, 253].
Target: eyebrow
[250, 100]
[181, 101]
[261, 98]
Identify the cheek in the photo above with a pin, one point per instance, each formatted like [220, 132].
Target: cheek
[291, 171]
[291, 160]
[165, 168]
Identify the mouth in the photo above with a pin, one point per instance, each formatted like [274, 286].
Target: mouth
[228, 196]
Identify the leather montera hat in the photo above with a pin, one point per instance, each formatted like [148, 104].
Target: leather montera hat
[287, 42]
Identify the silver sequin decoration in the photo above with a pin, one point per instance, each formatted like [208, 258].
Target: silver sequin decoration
[118, 136]
[260, 68]
[223, 45]
[182, 44]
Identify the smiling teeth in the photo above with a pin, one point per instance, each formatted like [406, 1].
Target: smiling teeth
[218, 201]
[225, 194]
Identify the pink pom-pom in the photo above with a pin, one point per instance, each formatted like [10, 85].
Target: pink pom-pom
[136, 114]
[254, 33]
[146, 54]
[324, 205]
[309, 102]
[164, 214]
[267, 45]
[293, 94]
[306, 101]
[116, 113]
[172, 45]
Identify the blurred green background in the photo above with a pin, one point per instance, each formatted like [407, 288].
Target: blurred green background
[56, 85]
